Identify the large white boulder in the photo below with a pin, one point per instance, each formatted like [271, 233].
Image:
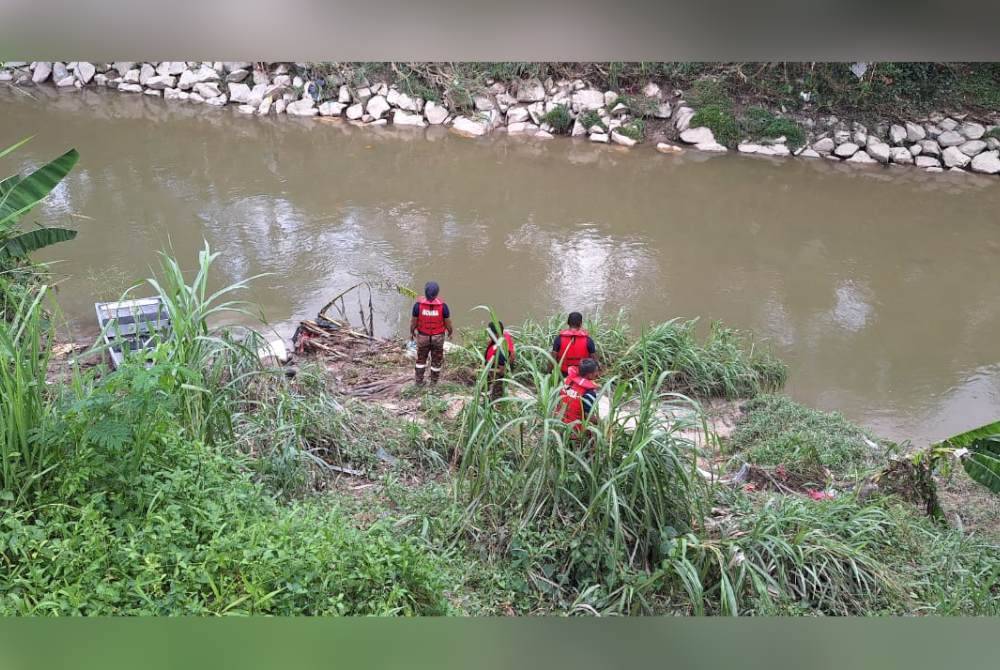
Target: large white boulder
[131, 77]
[171, 68]
[123, 66]
[355, 112]
[588, 99]
[930, 148]
[623, 140]
[915, 132]
[987, 162]
[239, 93]
[127, 87]
[701, 135]
[377, 106]
[972, 147]
[160, 82]
[953, 157]
[85, 72]
[43, 70]
[846, 150]
[901, 155]
[927, 161]
[861, 157]
[303, 107]
[331, 108]
[463, 125]
[711, 146]
[435, 113]
[878, 150]
[950, 138]
[404, 118]
[971, 130]
[897, 134]
[530, 90]
[682, 120]
[517, 114]
[824, 145]
[207, 90]
[145, 72]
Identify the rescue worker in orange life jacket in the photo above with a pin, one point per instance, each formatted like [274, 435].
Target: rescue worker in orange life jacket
[500, 356]
[572, 344]
[429, 323]
[579, 394]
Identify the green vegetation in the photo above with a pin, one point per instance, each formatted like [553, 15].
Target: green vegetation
[993, 132]
[759, 123]
[774, 430]
[716, 111]
[590, 118]
[635, 129]
[560, 119]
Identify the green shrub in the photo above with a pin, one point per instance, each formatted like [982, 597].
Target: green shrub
[759, 123]
[635, 129]
[720, 121]
[186, 532]
[590, 118]
[710, 93]
[560, 119]
[775, 430]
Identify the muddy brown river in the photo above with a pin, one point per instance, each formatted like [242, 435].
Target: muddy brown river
[877, 286]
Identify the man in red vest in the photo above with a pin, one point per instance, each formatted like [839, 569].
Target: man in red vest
[572, 344]
[500, 356]
[579, 394]
[429, 323]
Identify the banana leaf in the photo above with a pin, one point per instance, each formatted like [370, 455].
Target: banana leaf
[19, 194]
[982, 460]
[19, 246]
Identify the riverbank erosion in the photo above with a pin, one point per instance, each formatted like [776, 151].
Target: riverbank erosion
[200, 479]
[948, 122]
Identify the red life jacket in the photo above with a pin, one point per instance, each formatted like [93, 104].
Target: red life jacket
[571, 396]
[492, 349]
[572, 348]
[430, 317]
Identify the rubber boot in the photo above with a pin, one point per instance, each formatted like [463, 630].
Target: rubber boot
[418, 374]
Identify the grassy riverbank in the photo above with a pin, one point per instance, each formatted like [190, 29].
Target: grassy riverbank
[209, 484]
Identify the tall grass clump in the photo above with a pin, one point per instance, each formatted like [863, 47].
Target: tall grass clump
[775, 430]
[26, 453]
[726, 364]
[609, 494]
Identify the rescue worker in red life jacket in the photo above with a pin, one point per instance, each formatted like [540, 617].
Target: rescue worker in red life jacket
[579, 394]
[572, 344]
[430, 322]
[500, 348]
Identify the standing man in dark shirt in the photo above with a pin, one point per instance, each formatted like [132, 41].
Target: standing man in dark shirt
[430, 321]
[572, 344]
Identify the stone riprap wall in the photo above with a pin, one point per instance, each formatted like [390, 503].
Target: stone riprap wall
[521, 107]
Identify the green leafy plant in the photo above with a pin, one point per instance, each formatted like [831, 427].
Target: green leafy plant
[560, 119]
[18, 196]
[979, 452]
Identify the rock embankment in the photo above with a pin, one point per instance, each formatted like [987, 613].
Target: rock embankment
[529, 107]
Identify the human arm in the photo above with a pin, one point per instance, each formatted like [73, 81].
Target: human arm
[589, 401]
[413, 321]
[446, 313]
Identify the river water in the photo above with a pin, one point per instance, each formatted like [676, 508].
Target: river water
[878, 287]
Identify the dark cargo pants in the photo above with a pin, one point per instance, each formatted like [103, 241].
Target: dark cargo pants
[433, 345]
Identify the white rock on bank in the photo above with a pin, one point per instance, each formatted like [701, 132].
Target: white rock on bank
[236, 76]
[579, 130]
[927, 161]
[879, 151]
[435, 113]
[930, 147]
[279, 105]
[683, 120]
[207, 90]
[517, 114]
[588, 99]
[599, 137]
[160, 82]
[667, 148]
[987, 162]
[621, 139]
[846, 150]
[950, 138]
[953, 157]
[131, 77]
[145, 72]
[915, 132]
[824, 145]
[331, 108]
[972, 147]
[171, 68]
[355, 112]
[700, 135]
[897, 134]
[126, 87]
[861, 157]
[663, 110]
[303, 107]
[519, 127]
[123, 66]
[377, 106]
[463, 125]
[972, 131]
[711, 146]
[809, 153]
[239, 93]
[264, 108]
[748, 148]
[43, 71]
[173, 94]
[85, 72]
[530, 90]
[901, 155]
[404, 118]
